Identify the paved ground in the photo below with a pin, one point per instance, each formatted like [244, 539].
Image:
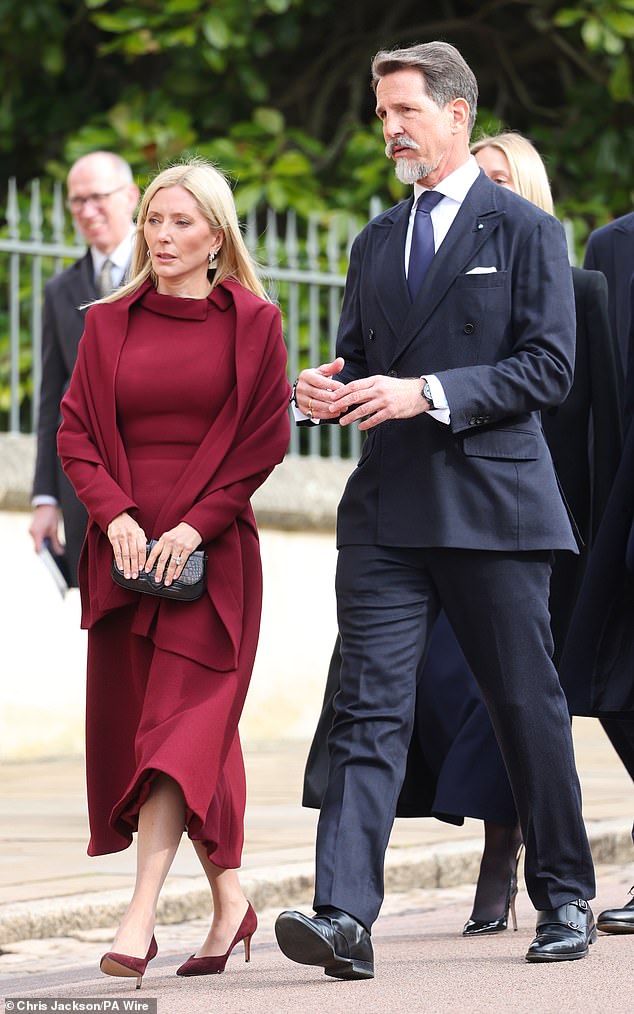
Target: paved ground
[422, 965]
[58, 908]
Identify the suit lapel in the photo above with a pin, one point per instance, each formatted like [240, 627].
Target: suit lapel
[477, 218]
[87, 276]
[388, 259]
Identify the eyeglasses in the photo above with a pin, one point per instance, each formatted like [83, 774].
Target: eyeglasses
[77, 203]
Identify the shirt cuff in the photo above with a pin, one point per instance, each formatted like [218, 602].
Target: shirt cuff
[301, 419]
[440, 411]
[44, 500]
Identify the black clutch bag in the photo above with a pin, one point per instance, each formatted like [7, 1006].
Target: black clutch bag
[186, 588]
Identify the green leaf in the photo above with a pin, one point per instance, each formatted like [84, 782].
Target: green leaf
[53, 59]
[621, 23]
[248, 196]
[181, 6]
[278, 6]
[222, 150]
[621, 80]
[215, 60]
[591, 33]
[269, 120]
[291, 163]
[276, 194]
[567, 17]
[185, 36]
[216, 31]
[123, 21]
[612, 44]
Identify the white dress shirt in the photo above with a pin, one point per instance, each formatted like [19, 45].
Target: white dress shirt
[454, 189]
[119, 258]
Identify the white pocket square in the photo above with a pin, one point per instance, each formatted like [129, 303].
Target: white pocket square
[480, 271]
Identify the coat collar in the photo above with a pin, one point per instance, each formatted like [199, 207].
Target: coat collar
[625, 224]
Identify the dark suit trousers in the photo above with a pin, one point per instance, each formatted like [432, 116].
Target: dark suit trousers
[387, 600]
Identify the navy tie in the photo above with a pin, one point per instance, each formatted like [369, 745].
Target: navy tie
[422, 248]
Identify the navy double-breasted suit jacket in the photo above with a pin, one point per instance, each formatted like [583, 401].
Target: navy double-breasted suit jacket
[502, 344]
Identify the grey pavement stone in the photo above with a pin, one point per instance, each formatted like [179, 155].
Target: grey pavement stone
[301, 494]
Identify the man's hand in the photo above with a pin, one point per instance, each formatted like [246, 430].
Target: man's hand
[314, 388]
[374, 400]
[45, 525]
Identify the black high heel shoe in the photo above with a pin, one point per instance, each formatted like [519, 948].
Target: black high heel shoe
[478, 927]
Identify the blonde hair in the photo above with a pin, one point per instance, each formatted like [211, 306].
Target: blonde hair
[212, 194]
[528, 172]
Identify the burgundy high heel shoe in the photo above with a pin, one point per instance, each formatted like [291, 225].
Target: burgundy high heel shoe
[215, 964]
[126, 966]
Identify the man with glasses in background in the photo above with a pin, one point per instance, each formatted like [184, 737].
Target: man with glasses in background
[102, 197]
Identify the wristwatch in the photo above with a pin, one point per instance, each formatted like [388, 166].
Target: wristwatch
[426, 393]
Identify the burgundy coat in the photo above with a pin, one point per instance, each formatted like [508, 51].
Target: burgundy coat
[242, 446]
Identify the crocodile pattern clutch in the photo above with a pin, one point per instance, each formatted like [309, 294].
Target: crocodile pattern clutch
[187, 588]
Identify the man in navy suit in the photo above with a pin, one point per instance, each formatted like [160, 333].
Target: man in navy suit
[102, 197]
[454, 503]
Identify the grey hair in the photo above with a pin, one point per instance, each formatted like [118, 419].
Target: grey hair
[446, 74]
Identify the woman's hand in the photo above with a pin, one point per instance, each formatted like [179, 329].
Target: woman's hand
[172, 550]
[128, 542]
[313, 390]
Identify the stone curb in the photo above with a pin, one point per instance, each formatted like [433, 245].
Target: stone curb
[301, 494]
[444, 865]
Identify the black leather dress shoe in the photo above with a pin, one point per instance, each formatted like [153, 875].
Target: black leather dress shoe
[617, 920]
[332, 939]
[563, 933]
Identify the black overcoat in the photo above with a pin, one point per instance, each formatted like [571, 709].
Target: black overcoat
[597, 667]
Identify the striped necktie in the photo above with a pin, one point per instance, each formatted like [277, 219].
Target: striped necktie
[105, 284]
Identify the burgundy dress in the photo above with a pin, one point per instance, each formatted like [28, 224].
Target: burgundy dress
[151, 710]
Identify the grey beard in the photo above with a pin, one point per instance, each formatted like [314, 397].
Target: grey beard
[411, 172]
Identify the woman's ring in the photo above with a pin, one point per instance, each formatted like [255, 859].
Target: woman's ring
[177, 560]
[310, 407]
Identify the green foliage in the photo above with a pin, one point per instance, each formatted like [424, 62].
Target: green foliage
[277, 93]
[281, 100]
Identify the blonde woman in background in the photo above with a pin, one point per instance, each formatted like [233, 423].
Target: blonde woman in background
[584, 438]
